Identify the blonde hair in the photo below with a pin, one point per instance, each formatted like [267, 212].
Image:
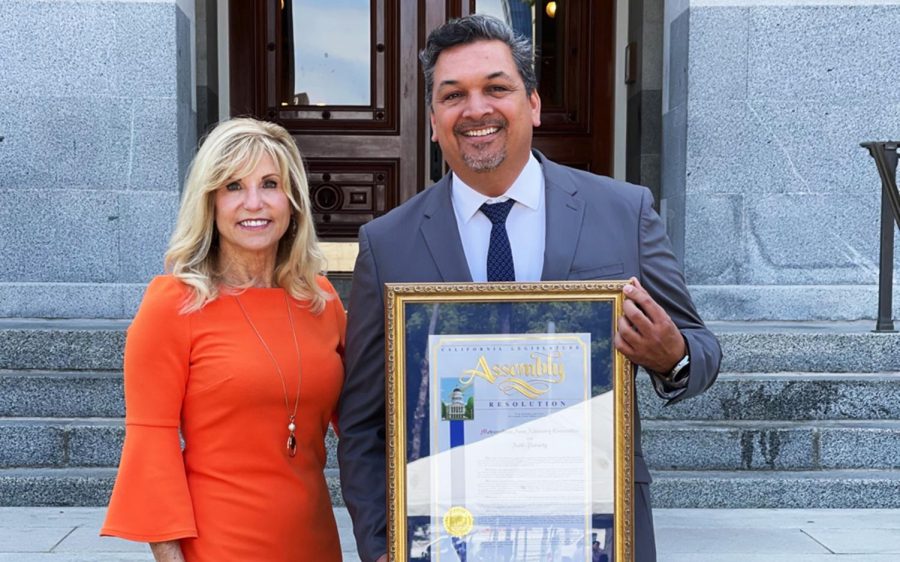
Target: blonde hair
[232, 150]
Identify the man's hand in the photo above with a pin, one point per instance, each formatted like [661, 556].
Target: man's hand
[646, 335]
[382, 558]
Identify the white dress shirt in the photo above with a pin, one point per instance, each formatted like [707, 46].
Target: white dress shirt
[526, 224]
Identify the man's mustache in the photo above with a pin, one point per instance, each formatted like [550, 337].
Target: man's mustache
[464, 126]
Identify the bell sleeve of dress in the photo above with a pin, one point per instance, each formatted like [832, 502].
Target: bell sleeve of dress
[151, 501]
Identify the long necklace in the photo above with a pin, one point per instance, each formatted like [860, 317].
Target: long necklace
[292, 438]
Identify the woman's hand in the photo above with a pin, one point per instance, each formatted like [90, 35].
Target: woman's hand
[169, 551]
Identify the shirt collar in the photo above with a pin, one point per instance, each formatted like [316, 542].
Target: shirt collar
[526, 190]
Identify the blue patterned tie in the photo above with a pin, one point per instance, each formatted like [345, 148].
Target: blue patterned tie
[499, 259]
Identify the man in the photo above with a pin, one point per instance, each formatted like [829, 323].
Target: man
[560, 224]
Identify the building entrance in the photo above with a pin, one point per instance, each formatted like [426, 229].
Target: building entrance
[343, 77]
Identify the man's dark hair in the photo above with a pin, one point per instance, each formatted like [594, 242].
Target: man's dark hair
[469, 29]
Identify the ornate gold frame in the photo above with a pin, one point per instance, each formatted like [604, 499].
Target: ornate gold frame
[399, 294]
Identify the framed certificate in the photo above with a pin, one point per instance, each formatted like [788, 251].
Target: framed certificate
[509, 423]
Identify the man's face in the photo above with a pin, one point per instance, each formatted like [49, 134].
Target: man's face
[481, 115]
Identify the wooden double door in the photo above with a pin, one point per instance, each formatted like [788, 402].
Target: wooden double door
[343, 77]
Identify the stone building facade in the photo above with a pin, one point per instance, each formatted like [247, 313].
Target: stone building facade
[745, 118]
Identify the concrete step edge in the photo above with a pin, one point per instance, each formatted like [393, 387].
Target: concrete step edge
[799, 376]
[731, 425]
[67, 324]
[60, 472]
[647, 425]
[892, 475]
[832, 489]
[55, 374]
[724, 375]
[21, 487]
[794, 326]
[717, 326]
[62, 421]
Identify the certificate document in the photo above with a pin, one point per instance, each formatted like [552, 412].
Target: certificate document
[511, 443]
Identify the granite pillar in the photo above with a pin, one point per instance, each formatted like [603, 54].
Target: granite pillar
[771, 202]
[98, 127]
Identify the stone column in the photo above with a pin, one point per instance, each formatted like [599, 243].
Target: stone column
[97, 128]
[766, 103]
[644, 95]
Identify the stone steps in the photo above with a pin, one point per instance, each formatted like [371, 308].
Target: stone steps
[81, 486]
[772, 445]
[819, 489]
[43, 393]
[749, 347]
[812, 347]
[734, 396]
[60, 442]
[832, 489]
[76, 442]
[668, 445]
[62, 345]
[802, 416]
[56, 486]
[782, 396]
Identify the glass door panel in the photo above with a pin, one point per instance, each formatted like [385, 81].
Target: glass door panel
[543, 24]
[326, 53]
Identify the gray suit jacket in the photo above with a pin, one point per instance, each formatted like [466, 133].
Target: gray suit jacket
[597, 228]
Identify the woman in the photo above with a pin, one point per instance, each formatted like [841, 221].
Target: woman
[239, 348]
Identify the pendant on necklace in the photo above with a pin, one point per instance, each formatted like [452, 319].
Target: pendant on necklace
[292, 439]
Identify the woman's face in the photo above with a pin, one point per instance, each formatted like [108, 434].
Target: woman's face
[252, 213]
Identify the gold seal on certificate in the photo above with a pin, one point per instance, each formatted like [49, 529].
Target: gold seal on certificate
[458, 521]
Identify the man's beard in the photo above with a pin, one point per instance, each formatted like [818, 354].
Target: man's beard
[481, 162]
[478, 158]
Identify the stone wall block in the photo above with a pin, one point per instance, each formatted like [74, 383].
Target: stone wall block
[55, 49]
[64, 142]
[778, 101]
[132, 295]
[803, 52]
[650, 171]
[719, 129]
[97, 143]
[148, 219]
[186, 93]
[788, 302]
[800, 238]
[717, 59]
[713, 233]
[673, 174]
[60, 300]
[651, 121]
[155, 157]
[652, 38]
[146, 50]
[817, 144]
[679, 35]
[734, 147]
[27, 143]
[63, 236]
[848, 123]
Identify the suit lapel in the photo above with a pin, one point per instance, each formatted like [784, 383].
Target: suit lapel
[442, 234]
[565, 213]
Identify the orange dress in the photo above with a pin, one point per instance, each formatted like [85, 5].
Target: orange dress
[233, 492]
